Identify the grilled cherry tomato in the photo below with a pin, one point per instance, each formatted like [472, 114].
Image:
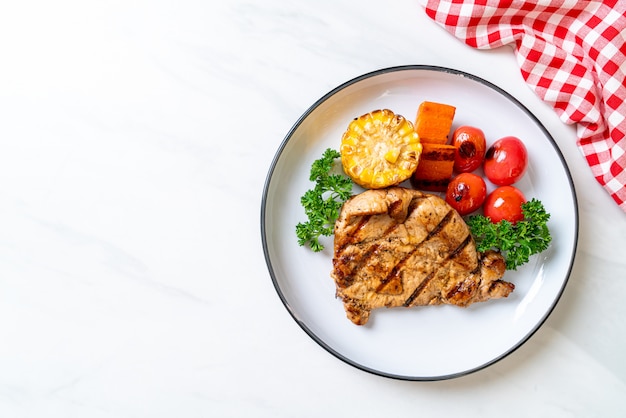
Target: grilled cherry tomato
[470, 148]
[506, 161]
[466, 193]
[504, 202]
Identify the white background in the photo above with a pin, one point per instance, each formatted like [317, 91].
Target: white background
[135, 138]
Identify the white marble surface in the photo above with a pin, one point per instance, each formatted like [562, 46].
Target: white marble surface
[135, 138]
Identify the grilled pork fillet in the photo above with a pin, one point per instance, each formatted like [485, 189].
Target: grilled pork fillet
[400, 247]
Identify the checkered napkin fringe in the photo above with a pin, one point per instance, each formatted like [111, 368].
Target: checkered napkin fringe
[572, 53]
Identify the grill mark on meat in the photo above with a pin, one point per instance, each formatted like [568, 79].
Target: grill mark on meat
[340, 277]
[414, 204]
[400, 264]
[479, 266]
[360, 262]
[460, 248]
[369, 253]
[432, 274]
[364, 220]
[442, 224]
[350, 238]
[394, 274]
[460, 287]
[391, 276]
[419, 289]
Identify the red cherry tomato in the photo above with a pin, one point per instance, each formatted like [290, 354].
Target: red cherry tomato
[505, 202]
[506, 161]
[470, 148]
[466, 193]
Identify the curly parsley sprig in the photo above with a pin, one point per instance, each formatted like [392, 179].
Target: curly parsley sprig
[323, 203]
[516, 242]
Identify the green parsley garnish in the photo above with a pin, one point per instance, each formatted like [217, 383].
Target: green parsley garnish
[323, 202]
[516, 242]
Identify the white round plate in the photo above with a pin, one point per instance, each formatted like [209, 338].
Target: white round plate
[420, 343]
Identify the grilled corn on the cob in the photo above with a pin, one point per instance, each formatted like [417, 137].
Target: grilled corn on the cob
[380, 149]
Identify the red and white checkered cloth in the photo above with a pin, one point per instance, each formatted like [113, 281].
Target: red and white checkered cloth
[572, 53]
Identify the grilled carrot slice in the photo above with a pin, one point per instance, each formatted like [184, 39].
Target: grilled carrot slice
[435, 166]
[433, 122]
